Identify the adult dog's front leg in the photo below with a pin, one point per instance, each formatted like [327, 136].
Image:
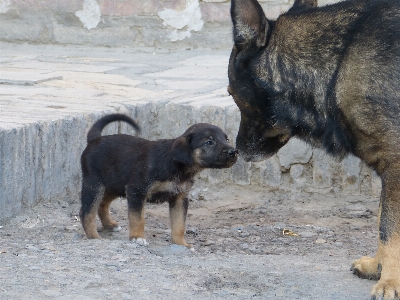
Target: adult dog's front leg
[136, 201]
[386, 263]
[178, 208]
[388, 286]
[370, 267]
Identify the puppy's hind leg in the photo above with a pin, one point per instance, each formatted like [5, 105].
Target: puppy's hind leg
[92, 193]
[178, 208]
[104, 212]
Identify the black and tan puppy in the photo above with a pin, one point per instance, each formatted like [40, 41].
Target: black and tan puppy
[146, 171]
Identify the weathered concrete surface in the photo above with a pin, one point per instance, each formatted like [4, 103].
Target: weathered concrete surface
[166, 23]
[51, 95]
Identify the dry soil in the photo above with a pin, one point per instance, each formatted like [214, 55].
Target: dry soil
[241, 251]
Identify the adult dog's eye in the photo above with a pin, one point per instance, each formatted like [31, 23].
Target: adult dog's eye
[227, 140]
[209, 143]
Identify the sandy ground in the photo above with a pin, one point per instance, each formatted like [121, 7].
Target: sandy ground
[240, 250]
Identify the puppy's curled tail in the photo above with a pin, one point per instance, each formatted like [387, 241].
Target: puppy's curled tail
[97, 128]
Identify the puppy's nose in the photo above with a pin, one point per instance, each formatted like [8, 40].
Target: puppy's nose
[232, 153]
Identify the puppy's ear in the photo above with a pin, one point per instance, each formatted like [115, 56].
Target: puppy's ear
[181, 151]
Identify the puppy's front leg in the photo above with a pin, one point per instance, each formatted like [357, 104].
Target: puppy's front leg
[136, 201]
[178, 208]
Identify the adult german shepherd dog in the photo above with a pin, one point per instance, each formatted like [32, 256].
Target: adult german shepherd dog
[330, 76]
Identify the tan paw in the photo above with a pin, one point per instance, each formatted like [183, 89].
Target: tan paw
[367, 268]
[386, 290]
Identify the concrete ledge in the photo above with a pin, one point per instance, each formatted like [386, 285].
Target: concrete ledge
[43, 125]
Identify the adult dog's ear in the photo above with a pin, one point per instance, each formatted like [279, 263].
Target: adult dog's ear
[250, 26]
[181, 151]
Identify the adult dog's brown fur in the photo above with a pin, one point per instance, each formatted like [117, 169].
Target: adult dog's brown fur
[126, 166]
[331, 76]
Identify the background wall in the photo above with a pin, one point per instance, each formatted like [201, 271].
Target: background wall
[158, 23]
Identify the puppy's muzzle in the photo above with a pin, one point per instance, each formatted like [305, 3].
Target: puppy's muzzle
[231, 152]
[227, 158]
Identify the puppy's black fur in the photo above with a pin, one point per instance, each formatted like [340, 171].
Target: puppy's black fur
[141, 170]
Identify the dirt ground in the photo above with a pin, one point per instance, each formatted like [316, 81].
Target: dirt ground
[240, 250]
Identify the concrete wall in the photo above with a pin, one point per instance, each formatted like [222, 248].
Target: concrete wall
[155, 23]
[41, 161]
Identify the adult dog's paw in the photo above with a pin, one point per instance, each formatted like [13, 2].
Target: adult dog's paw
[140, 242]
[386, 290]
[367, 268]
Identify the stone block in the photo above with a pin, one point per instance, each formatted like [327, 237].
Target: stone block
[241, 173]
[98, 36]
[215, 12]
[232, 123]
[20, 30]
[294, 152]
[10, 198]
[270, 172]
[297, 173]
[41, 162]
[322, 169]
[351, 168]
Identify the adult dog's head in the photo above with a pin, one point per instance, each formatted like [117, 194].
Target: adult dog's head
[256, 82]
[204, 146]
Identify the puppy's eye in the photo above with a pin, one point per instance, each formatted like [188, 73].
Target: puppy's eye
[209, 143]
